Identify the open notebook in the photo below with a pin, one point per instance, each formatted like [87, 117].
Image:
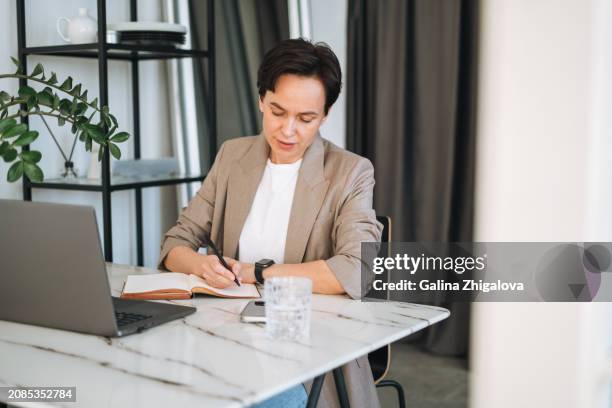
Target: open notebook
[175, 285]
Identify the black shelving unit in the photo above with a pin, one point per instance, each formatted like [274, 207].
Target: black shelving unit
[104, 51]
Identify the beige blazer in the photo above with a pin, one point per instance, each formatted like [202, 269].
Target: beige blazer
[331, 215]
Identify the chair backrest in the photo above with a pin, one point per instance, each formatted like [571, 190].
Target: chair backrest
[380, 360]
[384, 238]
[385, 220]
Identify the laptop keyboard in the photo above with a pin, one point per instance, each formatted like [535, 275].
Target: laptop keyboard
[129, 318]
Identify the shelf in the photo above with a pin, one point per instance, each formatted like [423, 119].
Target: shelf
[126, 183]
[117, 51]
[102, 52]
[117, 183]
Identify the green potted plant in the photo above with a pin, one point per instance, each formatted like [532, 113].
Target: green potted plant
[65, 102]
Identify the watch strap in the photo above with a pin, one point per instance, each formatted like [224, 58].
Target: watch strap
[259, 268]
[259, 273]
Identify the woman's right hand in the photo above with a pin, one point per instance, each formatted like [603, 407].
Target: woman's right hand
[210, 269]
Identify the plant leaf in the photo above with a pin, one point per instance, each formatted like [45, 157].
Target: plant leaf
[76, 91]
[115, 151]
[61, 121]
[73, 106]
[64, 107]
[6, 124]
[4, 114]
[10, 155]
[4, 97]
[15, 172]
[56, 101]
[38, 69]
[80, 109]
[53, 79]
[84, 95]
[26, 138]
[26, 91]
[32, 102]
[113, 119]
[66, 85]
[45, 98]
[120, 137]
[32, 156]
[94, 103]
[96, 133]
[3, 148]
[107, 120]
[33, 172]
[17, 64]
[101, 153]
[87, 143]
[15, 131]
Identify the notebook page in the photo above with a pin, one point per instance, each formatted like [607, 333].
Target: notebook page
[157, 281]
[246, 290]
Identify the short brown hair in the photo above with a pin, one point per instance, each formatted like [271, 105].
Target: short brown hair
[301, 57]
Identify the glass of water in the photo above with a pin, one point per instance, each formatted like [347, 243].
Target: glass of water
[288, 300]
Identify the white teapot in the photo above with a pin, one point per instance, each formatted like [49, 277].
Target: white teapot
[82, 29]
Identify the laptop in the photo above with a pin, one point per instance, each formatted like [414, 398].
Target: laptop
[53, 274]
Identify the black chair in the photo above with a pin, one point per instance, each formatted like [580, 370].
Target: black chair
[380, 360]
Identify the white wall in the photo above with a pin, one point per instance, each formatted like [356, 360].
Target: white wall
[329, 24]
[328, 20]
[543, 174]
[41, 16]
[8, 30]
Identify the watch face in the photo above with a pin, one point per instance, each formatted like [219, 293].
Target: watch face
[266, 262]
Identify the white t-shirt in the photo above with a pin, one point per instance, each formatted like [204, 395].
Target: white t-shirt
[265, 230]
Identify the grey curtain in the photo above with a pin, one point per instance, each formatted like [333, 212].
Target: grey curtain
[411, 92]
[244, 31]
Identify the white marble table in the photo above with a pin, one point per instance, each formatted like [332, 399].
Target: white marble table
[208, 359]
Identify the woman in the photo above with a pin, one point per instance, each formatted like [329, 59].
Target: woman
[286, 202]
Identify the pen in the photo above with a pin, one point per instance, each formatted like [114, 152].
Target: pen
[225, 265]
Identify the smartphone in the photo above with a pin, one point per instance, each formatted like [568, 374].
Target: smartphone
[254, 312]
